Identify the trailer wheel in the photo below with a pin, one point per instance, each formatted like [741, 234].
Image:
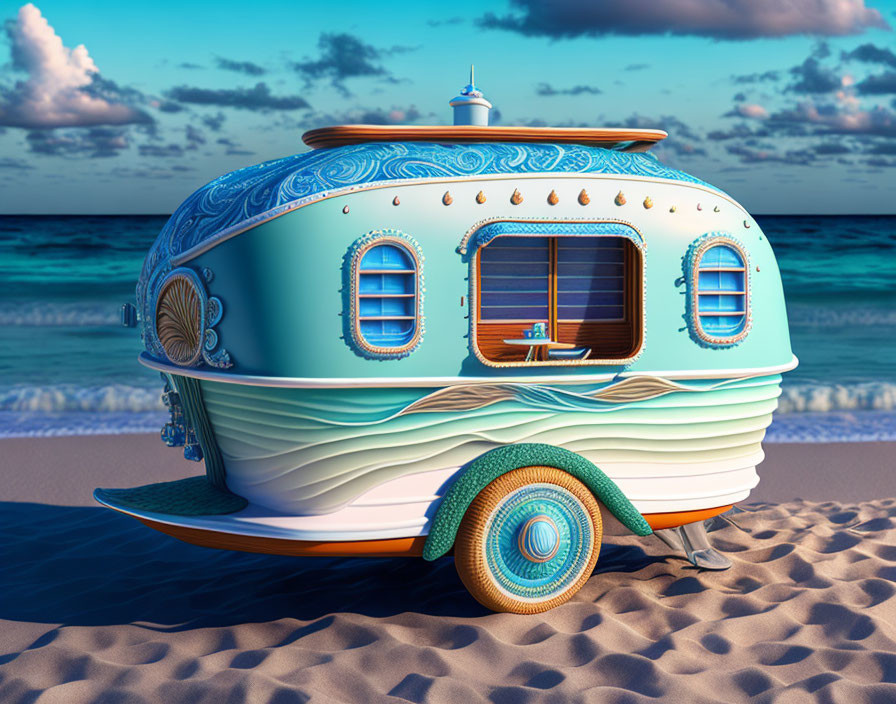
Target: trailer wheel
[529, 540]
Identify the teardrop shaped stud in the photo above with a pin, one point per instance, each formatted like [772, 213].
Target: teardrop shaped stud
[583, 197]
[395, 201]
[447, 199]
[620, 199]
[517, 197]
[699, 207]
[747, 224]
[648, 203]
[480, 197]
[345, 210]
[716, 209]
[672, 209]
[553, 198]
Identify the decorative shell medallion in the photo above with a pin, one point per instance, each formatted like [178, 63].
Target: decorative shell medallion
[648, 203]
[480, 197]
[620, 198]
[178, 320]
[583, 197]
[447, 199]
[553, 198]
[517, 197]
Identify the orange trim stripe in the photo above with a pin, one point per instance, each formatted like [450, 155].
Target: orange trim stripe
[658, 521]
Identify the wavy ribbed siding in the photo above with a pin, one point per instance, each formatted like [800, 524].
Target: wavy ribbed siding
[306, 451]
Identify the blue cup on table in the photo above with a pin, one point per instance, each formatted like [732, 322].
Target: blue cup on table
[527, 334]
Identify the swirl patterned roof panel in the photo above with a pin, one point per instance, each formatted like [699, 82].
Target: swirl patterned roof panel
[246, 197]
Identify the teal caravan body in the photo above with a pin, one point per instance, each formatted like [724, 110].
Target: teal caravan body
[345, 333]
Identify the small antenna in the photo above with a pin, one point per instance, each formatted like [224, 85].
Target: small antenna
[472, 82]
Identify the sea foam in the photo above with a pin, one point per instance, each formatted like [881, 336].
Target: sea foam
[59, 314]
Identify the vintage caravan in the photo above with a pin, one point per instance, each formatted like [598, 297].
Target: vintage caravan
[471, 339]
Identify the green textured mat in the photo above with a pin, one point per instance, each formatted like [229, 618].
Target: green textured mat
[481, 471]
[193, 496]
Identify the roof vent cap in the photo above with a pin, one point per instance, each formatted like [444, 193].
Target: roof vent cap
[470, 108]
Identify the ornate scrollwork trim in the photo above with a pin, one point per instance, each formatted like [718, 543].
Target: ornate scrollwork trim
[189, 312]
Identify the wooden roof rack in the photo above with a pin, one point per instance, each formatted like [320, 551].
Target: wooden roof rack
[619, 138]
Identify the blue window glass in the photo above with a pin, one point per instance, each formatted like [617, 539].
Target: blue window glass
[516, 275]
[387, 296]
[721, 303]
[590, 279]
[515, 279]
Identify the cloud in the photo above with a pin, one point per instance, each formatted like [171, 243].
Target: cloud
[247, 67]
[194, 136]
[838, 118]
[870, 54]
[829, 148]
[636, 67]
[233, 149]
[880, 84]
[446, 22]
[168, 106]
[190, 66]
[842, 114]
[365, 116]
[811, 77]
[258, 98]
[95, 142]
[345, 56]
[757, 77]
[161, 150]
[151, 171]
[751, 110]
[214, 122]
[547, 90]
[748, 155]
[63, 87]
[14, 164]
[731, 19]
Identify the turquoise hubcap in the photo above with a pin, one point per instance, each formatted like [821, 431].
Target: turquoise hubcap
[538, 541]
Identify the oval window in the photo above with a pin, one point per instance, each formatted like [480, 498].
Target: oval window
[386, 313]
[719, 292]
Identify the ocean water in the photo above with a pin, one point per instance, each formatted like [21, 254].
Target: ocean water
[67, 367]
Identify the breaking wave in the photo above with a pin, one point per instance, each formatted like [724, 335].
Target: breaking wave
[59, 314]
[823, 398]
[810, 316]
[114, 398]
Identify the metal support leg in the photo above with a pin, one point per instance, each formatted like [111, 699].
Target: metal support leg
[692, 541]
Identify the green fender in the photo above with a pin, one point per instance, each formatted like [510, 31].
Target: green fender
[488, 467]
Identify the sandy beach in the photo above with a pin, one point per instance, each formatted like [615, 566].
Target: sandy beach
[96, 607]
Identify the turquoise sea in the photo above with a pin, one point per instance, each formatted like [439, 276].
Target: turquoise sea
[68, 368]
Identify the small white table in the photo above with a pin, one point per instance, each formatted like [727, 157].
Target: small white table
[539, 343]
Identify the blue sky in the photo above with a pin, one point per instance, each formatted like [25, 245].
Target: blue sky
[790, 107]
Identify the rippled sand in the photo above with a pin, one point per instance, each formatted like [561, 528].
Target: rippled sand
[96, 607]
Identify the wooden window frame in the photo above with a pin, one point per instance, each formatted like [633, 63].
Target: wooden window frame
[634, 308]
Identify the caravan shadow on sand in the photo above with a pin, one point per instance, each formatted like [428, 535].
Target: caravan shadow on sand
[89, 566]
